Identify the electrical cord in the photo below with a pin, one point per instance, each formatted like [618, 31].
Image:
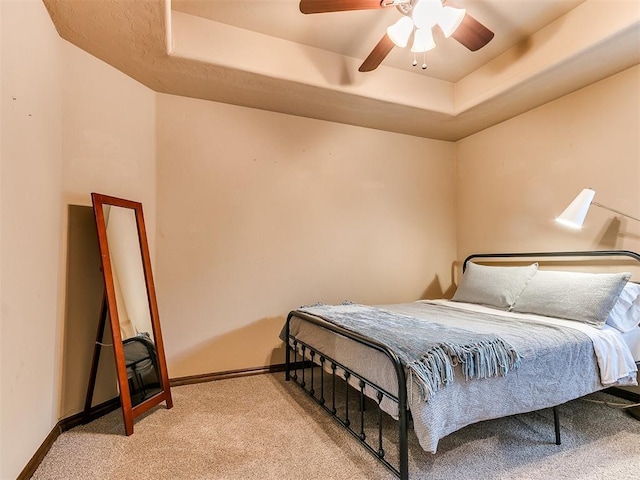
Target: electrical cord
[613, 404]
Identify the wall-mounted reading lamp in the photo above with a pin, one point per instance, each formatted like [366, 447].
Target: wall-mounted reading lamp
[573, 216]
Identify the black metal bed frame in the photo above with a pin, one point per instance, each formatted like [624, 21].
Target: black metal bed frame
[293, 344]
[309, 382]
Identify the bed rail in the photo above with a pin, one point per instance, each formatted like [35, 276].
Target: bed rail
[293, 345]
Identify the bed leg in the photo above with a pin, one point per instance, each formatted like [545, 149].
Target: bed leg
[287, 351]
[403, 421]
[403, 445]
[556, 423]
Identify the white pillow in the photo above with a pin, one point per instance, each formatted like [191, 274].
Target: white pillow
[625, 314]
[585, 297]
[493, 286]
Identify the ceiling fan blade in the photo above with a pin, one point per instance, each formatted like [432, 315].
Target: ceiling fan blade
[377, 55]
[322, 6]
[472, 34]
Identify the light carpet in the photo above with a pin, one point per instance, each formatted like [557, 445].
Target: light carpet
[261, 427]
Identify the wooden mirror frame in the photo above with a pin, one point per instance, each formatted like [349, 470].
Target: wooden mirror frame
[110, 306]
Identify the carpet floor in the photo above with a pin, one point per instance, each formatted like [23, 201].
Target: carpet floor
[261, 427]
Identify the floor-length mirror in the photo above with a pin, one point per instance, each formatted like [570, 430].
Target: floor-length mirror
[131, 307]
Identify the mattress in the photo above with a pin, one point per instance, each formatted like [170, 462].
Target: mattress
[559, 364]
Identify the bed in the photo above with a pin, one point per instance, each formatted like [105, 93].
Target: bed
[532, 338]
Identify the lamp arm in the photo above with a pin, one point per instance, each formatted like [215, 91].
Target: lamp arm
[615, 211]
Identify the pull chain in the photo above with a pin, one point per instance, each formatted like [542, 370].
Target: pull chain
[424, 60]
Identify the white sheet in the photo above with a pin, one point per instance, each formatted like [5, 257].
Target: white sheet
[632, 339]
[615, 360]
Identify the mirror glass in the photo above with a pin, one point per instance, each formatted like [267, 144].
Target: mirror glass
[131, 305]
[134, 315]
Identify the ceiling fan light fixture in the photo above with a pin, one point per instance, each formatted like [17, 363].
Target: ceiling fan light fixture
[400, 32]
[426, 13]
[423, 40]
[450, 19]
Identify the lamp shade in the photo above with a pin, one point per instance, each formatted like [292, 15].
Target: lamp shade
[400, 32]
[426, 13]
[573, 216]
[423, 40]
[450, 19]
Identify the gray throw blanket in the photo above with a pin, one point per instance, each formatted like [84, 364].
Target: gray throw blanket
[429, 350]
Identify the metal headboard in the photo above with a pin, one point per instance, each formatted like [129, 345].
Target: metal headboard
[587, 253]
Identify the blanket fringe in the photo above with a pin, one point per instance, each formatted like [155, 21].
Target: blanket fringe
[484, 359]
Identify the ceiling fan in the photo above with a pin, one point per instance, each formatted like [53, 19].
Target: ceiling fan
[419, 17]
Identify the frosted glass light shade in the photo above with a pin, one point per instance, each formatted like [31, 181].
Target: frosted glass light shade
[573, 216]
[450, 19]
[423, 40]
[400, 32]
[426, 13]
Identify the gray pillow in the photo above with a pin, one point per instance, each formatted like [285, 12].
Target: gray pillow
[586, 297]
[493, 286]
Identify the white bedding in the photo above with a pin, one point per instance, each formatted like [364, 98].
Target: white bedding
[632, 339]
[615, 359]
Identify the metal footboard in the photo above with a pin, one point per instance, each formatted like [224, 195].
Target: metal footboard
[304, 375]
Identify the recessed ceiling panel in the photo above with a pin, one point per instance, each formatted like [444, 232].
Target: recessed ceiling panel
[355, 33]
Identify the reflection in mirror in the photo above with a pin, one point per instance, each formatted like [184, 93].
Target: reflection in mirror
[132, 309]
[134, 316]
[128, 272]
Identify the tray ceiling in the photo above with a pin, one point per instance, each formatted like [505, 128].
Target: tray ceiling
[267, 55]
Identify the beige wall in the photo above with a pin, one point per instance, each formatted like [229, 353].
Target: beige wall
[31, 179]
[70, 125]
[513, 179]
[259, 213]
[31, 218]
[108, 146]
[77, 125]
